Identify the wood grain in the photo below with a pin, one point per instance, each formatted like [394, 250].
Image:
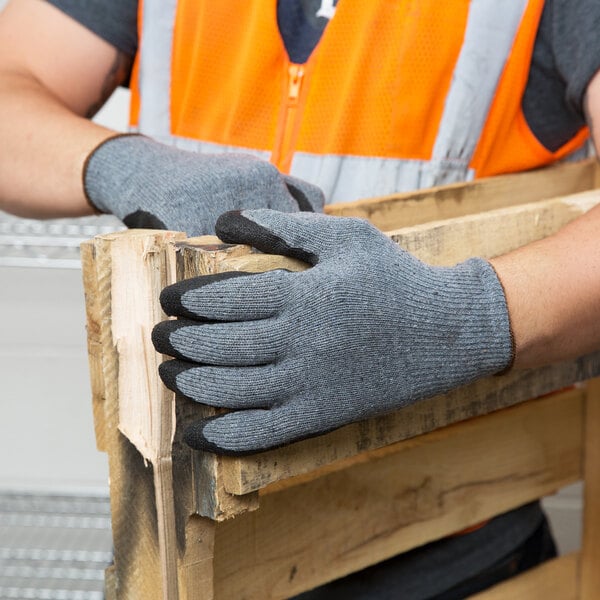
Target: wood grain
[590, 553]
[489, 234]
[415, 492]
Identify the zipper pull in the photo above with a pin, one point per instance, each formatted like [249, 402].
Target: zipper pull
[296, 74]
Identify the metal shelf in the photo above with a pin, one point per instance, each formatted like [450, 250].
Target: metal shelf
[52, 243]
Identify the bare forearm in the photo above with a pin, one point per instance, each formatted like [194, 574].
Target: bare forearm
[54, 75]
[553, 293]
[43, 149]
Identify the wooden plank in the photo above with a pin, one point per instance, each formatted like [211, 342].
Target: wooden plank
[424, 489]
[137, 569]
[553, 580]
[491, 233]
[403, 210]
[149, 523]
[97, 312]
[248, 473]
[202, 256]
[590, 553]
[142, 263]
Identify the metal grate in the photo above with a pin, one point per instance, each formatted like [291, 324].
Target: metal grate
[53, 547]
[51, 243]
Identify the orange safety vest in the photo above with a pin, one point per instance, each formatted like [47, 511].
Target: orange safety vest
[396, 95]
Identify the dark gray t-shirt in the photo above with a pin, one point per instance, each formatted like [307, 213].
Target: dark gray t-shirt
[566, 54]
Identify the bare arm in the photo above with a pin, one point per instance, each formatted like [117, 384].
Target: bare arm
[553, 286]
[54, 74]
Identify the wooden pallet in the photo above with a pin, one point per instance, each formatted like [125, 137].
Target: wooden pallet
[191, 526]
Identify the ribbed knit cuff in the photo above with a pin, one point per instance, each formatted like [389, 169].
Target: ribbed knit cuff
[98, 209]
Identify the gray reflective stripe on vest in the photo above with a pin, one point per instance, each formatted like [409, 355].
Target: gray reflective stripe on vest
[491, 29]
[490, 32]
[156, 46]
[347, 178]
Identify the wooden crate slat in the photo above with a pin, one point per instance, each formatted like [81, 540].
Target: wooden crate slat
[428, 487]
[489, 234]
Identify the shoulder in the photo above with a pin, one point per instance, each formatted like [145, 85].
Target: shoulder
[565, 58]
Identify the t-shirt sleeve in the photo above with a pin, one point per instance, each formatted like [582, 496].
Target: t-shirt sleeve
[113, 20]
[576, 45]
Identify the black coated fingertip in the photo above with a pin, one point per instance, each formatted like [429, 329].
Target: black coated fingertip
[300, 195]
[170, 300]
[234, 228]
[193, 436]
[170, 369]
[141, 219]
[171, 296]
[161, 337]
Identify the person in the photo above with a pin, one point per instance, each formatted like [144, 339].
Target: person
[356, 99]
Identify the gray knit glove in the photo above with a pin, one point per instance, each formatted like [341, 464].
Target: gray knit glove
[368, 329]
[148, 184]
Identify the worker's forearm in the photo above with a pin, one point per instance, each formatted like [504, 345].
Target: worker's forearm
[553, 293]
[44, 145]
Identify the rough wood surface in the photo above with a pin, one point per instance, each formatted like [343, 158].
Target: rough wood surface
[97, 307]
[404, 210]
[494, 232]
[130, 269]
[590, 554]
[415, 492]
[554, 580]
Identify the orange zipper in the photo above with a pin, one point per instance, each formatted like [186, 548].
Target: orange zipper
[284, 143]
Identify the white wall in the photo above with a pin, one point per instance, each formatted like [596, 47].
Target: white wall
[46, 426]
[46, 429]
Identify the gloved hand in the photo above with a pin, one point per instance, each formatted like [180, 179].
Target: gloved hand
[368, 329]
[148, 184]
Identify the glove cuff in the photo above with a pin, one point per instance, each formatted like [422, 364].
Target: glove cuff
[92, 189]
[513, 345]
[491, 310]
